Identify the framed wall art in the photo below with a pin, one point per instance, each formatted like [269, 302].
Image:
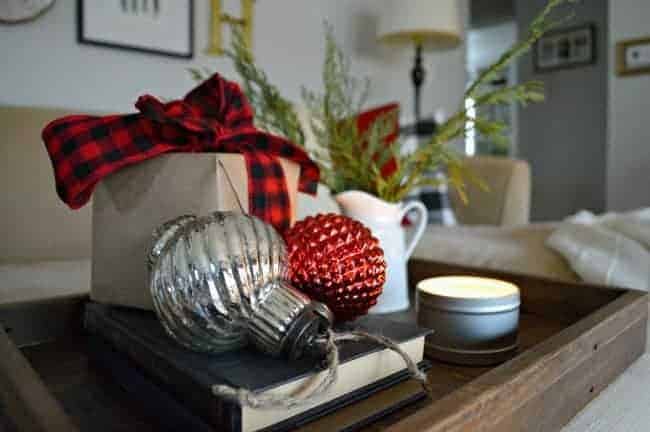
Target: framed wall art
[633, 57]
[566, 48]
[164, 27]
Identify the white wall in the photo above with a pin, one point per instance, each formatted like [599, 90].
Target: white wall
[487, 44]
[628, 161]
[484, 47]
[565, 137]
[42, 63]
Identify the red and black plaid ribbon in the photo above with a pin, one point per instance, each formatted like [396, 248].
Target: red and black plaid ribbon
[214, 117]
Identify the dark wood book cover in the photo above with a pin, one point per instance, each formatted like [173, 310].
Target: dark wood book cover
[189, 376]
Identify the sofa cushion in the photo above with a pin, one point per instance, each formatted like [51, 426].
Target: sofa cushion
[34, 223]
[507, 200]
[516, 249]
[31, 281]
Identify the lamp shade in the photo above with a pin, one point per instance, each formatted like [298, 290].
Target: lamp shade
[435, 24]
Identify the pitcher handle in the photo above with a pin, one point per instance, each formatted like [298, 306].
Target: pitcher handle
[419, 229]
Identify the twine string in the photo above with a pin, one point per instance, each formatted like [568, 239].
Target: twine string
[270, 400]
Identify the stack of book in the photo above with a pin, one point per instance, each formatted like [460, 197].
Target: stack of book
[175, 384]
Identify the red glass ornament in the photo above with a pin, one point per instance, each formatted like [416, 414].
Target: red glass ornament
[335, 260]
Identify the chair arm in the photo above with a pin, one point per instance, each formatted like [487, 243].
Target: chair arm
[505, 203]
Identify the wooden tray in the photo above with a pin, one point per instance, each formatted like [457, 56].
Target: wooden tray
[574, 340]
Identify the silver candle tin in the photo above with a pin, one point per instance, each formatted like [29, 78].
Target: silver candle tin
[475, 320]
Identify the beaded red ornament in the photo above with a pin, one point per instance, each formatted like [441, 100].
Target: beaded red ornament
[335, 260]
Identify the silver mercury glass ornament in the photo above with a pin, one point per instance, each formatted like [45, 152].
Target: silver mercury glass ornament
[219, 282]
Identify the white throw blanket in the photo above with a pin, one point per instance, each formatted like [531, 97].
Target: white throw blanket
[613, 249]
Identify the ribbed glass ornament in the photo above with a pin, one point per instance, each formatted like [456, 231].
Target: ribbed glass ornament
[218, 282]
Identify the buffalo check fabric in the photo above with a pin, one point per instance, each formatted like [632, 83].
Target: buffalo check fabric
[214, 117]
[434, 198]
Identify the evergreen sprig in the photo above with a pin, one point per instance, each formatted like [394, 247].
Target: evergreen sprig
[349, 159]
[340, 147]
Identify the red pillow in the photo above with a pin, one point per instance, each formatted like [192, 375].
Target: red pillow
[365, 121]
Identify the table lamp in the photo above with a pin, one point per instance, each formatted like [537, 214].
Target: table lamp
[424, 24]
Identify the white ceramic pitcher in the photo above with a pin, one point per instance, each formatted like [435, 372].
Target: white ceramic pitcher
[384, 219]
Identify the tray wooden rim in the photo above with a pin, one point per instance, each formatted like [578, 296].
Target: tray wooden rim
[451, 413]
[544, 364]
[501, 393]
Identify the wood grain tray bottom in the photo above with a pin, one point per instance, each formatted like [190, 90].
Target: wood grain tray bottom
[574, 340]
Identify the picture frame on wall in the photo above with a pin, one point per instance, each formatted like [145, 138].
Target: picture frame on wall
[633, 57]
[565, 48]
[162, 27]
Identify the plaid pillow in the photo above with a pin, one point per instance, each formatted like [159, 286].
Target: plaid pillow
[435, 199]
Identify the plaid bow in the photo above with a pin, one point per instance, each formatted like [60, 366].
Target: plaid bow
[214, 117]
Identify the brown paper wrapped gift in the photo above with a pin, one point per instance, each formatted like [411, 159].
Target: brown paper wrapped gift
[159, 163]
[130, 203]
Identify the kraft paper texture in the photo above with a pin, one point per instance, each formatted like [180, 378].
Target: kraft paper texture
[131, 203]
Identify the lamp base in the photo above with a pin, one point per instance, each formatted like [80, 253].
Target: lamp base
[417, 77]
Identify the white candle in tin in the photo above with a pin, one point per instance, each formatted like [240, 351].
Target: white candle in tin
[474, 319]
[469, 287]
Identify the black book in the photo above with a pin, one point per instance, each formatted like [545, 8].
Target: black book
[133, 347]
